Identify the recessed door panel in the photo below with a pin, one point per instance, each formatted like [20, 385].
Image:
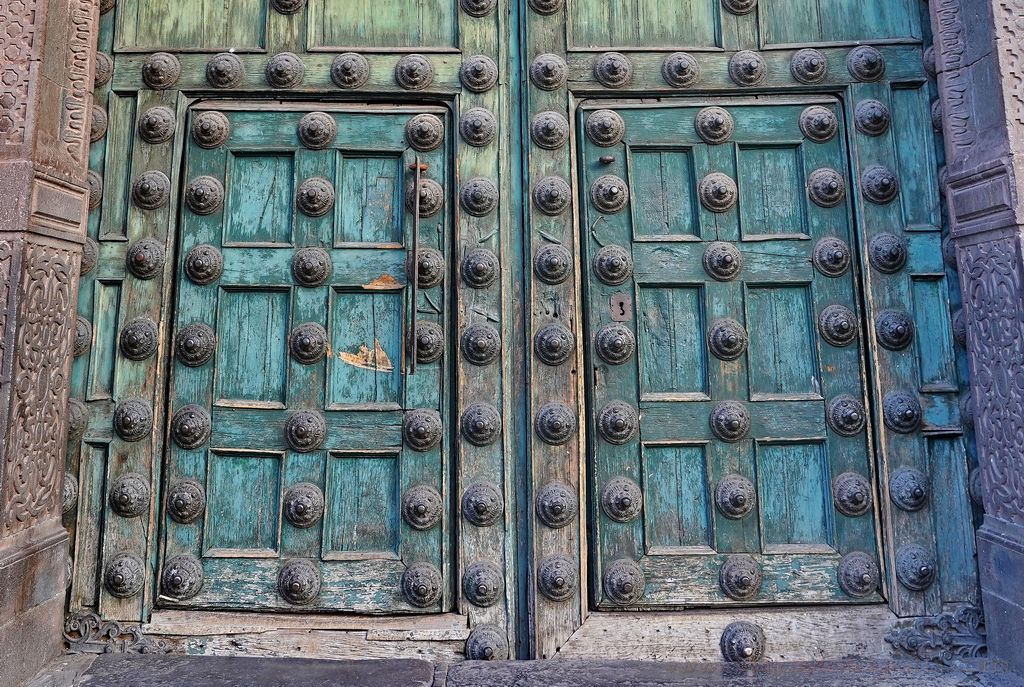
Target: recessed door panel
[831, 21]
[648, 23]
[416, 24]
[203, 25]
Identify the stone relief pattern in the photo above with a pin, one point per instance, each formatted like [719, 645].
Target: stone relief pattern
[68, 157]
[1009, 32]
[31, 473]
[955, 81]
[17, 36]
[992, 281]
[946, 638]
[7, 249]
[86, 633]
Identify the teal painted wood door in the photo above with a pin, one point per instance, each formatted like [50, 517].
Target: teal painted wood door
[683, 384]
[730, 443]
[307, 466]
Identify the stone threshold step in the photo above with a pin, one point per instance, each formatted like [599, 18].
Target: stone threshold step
[150, 670]
[846, 673]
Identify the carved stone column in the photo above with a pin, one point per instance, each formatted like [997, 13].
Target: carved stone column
[981, 82]
[46, 56]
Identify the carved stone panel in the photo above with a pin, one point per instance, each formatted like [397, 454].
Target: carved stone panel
[31, 479]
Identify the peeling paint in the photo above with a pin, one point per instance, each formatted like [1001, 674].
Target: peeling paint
[376, 360]
[383, 282]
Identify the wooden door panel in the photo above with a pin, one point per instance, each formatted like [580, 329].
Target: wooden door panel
[362, 507]
[796, 512]
[679, 504]
[803, 22]
[672, 354]
[783, 362]
[243, 523]
[920, 204]
[291, 425]
[732, 379]
[659, 211]
[365, 370]
[773, 199]
[195, 25]
[371, 190]
[254, 317]
[651, 23]
[418, 24]
[930, 309]
[259, 197]
[106, 299]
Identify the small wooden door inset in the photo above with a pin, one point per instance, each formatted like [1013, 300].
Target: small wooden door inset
[730, 439]
[307, 463]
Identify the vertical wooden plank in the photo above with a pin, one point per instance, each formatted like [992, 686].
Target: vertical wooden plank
[430, 386]
[895, 371]
[553, 621]
[953, 531]
[196, 304]
[306, 384]
[729, 380]
[656, 315]
[92, 373]
[140, 379]
[479, 238]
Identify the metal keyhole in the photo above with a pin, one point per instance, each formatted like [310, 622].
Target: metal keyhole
[621, 307]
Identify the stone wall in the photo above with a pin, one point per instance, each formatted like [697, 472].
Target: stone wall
[981, 80]
[46, 55]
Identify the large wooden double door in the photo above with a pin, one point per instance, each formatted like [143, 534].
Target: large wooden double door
[517, 315]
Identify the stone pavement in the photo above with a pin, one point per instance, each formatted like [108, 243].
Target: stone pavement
[854, 673]
[133, 670]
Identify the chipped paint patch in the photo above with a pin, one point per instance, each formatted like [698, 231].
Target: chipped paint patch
[376, 360]
[383, 282]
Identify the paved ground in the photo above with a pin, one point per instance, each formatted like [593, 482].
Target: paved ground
[119, 670]
[564, 673]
